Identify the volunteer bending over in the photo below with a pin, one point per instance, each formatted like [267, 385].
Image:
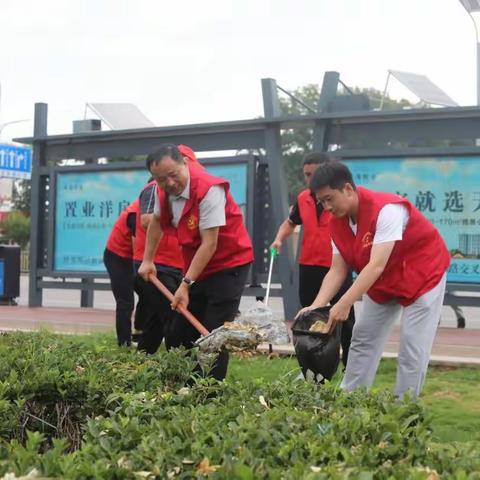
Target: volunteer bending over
[216, 247]
[401, 261]
[316, 248]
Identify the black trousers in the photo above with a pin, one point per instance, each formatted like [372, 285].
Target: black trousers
[143, 311]
[155, 312]
[213, 301]
[310, 280]
[121, 275]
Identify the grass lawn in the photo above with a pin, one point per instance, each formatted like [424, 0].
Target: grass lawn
[452, 395]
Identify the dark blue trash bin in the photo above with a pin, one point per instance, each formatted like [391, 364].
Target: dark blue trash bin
[9, 274]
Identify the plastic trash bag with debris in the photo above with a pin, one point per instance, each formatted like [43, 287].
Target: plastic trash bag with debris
[318, 352]
[230, 336]
[258, 324]
[271, 327]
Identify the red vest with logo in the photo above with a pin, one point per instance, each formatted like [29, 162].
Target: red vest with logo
[120, 238]
[168, 251]
[316, 242]
[234, 247]
[417, 262]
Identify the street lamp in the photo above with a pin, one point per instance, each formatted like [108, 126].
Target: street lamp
[6, 124]
[473, 7]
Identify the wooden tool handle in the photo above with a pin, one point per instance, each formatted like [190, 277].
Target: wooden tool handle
[180, 308]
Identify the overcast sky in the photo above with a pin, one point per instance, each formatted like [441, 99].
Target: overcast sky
[199, 61]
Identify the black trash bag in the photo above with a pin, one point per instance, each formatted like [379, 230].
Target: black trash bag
[318, 353]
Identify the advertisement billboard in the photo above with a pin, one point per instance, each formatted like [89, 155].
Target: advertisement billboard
[446, 190]
[88, 204]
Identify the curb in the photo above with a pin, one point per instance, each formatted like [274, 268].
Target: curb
[442, 360]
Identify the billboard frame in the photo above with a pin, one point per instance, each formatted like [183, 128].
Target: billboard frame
[52, 174]
[399, 133]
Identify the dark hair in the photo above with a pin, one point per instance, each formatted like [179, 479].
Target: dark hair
[332, 174]
[165, 150]
[316, 158]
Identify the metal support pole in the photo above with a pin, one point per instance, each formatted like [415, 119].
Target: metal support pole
[260, 239]
[384, 91]
[329, 90]
[86, 295]
[279, 198]
[83, 126]
[319, 137]
[473, 11]
[38, 160]
[478, 72]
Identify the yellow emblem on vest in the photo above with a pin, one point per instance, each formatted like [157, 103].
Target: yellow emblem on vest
[367, 240]
[192, 222]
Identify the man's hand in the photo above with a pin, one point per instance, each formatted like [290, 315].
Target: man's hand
[304, 310]
[181, 296]
[277, 245]
[338, 313]
[147, 268]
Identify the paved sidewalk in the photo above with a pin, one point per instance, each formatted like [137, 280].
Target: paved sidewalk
[61, 320]
[452, 346]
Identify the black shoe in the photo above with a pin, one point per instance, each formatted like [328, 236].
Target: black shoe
[460, 322]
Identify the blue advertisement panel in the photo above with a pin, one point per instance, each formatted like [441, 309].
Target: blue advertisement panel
[237, 177]
[88, 204]
[15, 161]
[446, 190]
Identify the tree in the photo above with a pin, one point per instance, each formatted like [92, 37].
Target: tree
[375, 97]
[16, 228]
[297, 142]
[21, 196]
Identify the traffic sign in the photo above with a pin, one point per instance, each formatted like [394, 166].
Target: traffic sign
[15, 161]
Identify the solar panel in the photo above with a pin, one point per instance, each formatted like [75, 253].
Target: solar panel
[121, 116]
[424, 88]
[471, 5]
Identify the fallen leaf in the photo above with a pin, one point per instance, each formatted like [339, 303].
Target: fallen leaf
[123, 462]
[244, 354]
[173, 473]
[262, 401]
[432, 474]
[143, 474]
[204, 467]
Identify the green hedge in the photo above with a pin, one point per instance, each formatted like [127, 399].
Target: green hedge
[82, 408]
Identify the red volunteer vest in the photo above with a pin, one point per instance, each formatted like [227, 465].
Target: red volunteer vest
[168, 251]
[316, 242]
[234, 247]
[120, 238]
[417, 262]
